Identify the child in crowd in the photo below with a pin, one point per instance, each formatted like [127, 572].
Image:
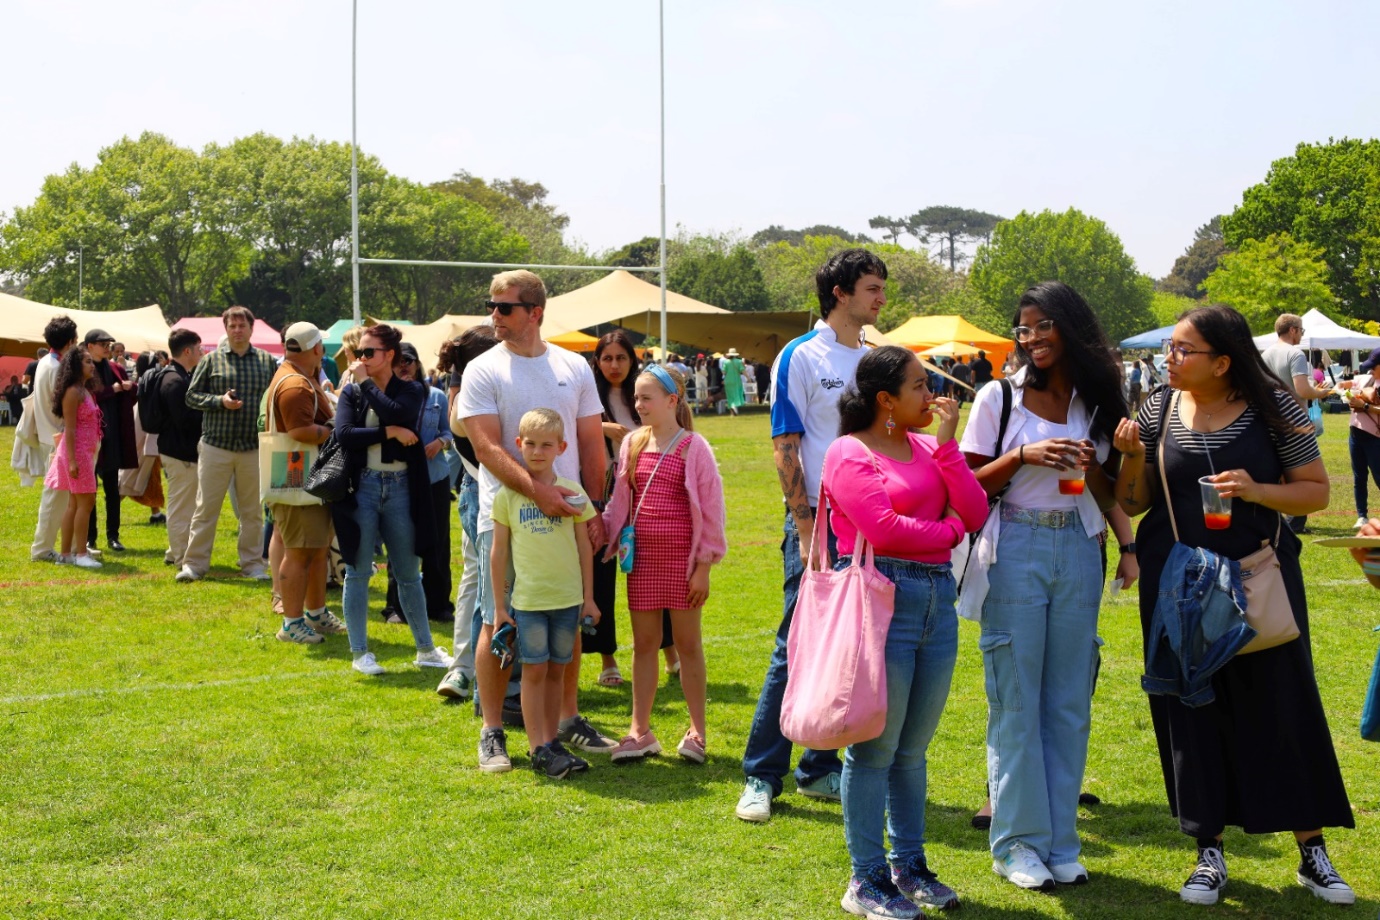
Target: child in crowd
[553, 587]
[73, 467]
[668, 488]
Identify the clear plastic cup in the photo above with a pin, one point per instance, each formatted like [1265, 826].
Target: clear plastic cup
[1216, 509]
[1072, 482]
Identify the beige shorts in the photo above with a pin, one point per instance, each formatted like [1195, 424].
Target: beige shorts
[303, 526]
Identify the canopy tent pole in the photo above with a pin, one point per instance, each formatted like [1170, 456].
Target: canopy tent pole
[356, 261]
[661, 39]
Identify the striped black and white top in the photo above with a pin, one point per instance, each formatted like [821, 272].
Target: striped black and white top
[1294, 450]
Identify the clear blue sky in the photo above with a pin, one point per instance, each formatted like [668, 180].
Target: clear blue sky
[1153, 116]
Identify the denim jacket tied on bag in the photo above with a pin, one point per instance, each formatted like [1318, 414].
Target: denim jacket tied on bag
[1198, 625]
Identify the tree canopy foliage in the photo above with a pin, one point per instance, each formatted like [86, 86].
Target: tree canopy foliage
[1265, 278]
[1198, 261]
[778, 234]
[1071, 247]
[1328, 196]
[947, 225]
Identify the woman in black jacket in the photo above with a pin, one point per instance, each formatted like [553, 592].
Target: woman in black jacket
[376, 424]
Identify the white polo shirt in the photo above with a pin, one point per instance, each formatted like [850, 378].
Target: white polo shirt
[807, 379]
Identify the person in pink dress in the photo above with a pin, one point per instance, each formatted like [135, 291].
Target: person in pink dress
[668, 487]
[73, 467]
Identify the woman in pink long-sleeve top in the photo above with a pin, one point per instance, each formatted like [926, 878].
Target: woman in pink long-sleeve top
[914, 499]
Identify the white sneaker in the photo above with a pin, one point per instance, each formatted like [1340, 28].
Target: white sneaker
[1360, 522]
[84, 562]
[47, 555]
[185, 575]
[1074, 873]
[367, 664]
[257, 573]
[1023, 868]
[435, 658]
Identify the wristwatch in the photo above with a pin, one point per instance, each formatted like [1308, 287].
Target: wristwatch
[1128, 548]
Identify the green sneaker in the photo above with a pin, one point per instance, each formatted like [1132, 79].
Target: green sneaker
[456, 686]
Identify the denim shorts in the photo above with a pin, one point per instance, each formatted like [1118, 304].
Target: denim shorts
[547, 635]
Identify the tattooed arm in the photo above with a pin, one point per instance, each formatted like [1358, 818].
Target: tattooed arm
[791, 471]
[1135, 482]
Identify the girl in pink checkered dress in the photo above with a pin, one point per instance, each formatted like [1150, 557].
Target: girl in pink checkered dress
[668, 489]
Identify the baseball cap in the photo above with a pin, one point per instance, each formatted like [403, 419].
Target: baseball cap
[409, 352]
[1370, 362]
[301, 337]
[97, 335]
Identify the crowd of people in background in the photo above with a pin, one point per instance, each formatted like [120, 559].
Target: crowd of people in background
[566, 471]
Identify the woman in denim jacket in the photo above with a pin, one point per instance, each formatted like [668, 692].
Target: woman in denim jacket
[1035, 573]
[1259, 756]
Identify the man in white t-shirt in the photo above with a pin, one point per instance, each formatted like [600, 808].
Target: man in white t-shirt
[61, 335]
[807, 380]
[1288, 362]
[520, 374]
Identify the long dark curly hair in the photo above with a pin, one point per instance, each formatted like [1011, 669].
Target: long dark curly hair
[1087, 353]
[69, 374]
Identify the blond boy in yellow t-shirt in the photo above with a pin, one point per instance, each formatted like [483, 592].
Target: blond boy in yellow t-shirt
[553, 586]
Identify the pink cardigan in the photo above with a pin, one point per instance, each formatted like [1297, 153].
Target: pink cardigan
[708, 541]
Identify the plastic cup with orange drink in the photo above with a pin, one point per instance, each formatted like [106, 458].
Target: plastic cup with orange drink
[1216, 509]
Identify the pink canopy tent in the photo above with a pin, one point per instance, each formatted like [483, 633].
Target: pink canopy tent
[210, 328]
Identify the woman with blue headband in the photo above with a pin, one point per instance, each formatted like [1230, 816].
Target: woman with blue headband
[668, 512]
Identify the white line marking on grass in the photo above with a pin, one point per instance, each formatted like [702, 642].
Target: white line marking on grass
[152, 688]
[256, 679]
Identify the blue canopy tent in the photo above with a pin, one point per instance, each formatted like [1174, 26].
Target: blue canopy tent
[1152, 339]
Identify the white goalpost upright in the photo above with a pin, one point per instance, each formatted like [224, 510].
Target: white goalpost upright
[356, 261]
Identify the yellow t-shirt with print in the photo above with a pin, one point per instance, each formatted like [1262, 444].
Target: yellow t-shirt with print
[546, 561]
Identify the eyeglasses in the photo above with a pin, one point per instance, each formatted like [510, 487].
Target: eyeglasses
[1025, 333]
[1178, 353]
[506, 309]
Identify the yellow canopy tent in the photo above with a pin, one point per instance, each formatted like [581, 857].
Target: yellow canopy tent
[570, 341]
[921, 332]
[22, 322]
[950, 350]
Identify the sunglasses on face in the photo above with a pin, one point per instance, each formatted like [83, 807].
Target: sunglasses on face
[506, 309]
[368, 353]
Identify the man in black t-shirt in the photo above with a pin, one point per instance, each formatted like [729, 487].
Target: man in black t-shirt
[31, 371]
[963, 374]
[982, 371]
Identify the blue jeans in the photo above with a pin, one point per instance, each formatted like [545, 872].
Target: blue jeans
[384, 510]
[1365, 457]
[887, 775]
[547, 635]
[1040, 649]
[768, 754]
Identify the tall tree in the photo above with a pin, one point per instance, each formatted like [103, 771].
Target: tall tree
[891, 227]
[952, 227]
[1325, 195]
[1265, 278]
[731, 279]
[1198, 261]
[778, 234]
[1071, 247]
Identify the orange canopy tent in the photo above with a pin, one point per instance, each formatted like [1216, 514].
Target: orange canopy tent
[923, 332]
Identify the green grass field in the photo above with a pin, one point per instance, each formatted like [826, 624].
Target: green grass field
[165, 757]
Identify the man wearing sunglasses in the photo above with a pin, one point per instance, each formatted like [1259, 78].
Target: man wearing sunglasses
[499, 386]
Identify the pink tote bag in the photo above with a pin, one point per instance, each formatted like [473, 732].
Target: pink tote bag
[836, 651]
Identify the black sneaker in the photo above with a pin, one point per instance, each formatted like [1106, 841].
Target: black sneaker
[1209, 877]
[158, 518]
[578, 763]
[512, 711]
[582, 735]
[1317, 875]
[116, 545]
[548, 763]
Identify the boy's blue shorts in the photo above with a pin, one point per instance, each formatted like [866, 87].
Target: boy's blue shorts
[547, 635]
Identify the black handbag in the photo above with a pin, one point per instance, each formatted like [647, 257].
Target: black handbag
[330, 477]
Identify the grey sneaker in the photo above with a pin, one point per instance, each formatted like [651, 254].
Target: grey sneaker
[456, 686]
[876, 896]
[298, 631]
[328, 624]
[582, 736]
[434, 658]
[755, 803]
[493, 751]
[577, 763]
[826, 787]
[546, 762]
[915, 880]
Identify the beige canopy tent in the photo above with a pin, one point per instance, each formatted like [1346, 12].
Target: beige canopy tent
[625, 300]
[428, 339]
[22, 322]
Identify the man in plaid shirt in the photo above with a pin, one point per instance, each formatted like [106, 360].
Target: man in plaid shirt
[227, 387]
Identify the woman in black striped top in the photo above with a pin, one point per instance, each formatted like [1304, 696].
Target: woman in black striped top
[1259, 756]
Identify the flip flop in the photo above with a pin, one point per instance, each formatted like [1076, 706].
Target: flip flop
[611, 677]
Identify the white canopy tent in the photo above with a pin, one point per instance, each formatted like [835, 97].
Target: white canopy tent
[1321, 332]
